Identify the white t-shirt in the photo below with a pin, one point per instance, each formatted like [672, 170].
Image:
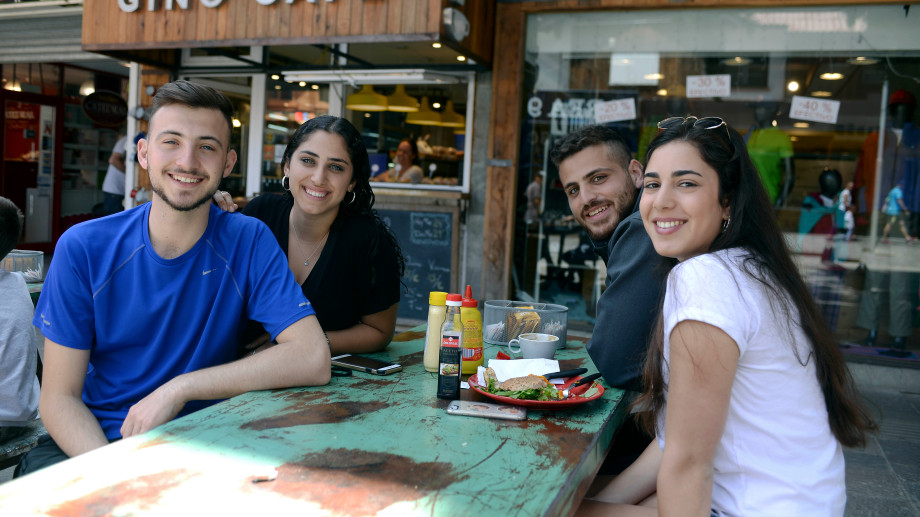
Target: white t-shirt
[777, 455]
[114, 182]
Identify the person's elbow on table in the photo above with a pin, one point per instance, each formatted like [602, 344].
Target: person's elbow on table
[315, 368]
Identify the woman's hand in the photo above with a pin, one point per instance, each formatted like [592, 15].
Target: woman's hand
[224, 201]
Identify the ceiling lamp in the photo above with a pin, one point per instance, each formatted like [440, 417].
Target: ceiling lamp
[14, 84]
[366, 100]
[831, 76]
[425, 116]
[87, 88]
[451, 118]
[737, 61]
[401, 101]
[862, 60]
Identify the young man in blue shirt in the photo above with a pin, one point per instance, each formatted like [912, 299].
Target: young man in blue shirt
[140, 310]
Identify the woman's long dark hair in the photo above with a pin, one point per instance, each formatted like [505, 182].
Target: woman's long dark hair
[363, 202]
[753, 226]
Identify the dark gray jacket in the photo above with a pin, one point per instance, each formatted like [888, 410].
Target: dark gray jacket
[628, 308]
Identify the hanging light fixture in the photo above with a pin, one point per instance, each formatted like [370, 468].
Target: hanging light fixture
[401, 101]
[425, 116]
[13, 85]
[87, 88]
[451, 118]
[366, 100]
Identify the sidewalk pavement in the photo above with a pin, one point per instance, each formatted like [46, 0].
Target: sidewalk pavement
[884, 478]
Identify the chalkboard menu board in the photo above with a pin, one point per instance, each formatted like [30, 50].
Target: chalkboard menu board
[426, 239]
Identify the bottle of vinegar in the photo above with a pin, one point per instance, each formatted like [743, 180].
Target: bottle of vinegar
[451, 353]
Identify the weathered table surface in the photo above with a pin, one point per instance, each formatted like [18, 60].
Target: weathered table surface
[362, 445]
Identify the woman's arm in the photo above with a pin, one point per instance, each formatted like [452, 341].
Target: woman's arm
[637, 482]
[371, 334]
[702, 368]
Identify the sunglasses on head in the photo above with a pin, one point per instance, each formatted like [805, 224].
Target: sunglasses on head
[703, 123]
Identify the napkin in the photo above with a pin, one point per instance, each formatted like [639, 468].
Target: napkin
[505, 369]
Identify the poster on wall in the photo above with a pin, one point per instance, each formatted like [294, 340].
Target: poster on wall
[22, 132]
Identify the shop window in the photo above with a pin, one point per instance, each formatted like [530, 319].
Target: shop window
[39, 78]
[429, 108]
[857, 73]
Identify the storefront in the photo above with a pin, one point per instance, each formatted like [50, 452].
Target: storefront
[808, 86]
[55, 152]
[398, 70]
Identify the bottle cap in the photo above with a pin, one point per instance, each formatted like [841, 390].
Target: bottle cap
[469, 302]
[437, 298]
[453, 299]
[468, 293]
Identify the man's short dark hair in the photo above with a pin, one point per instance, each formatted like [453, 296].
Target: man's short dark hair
[589, 136]
[193, 95]
[10, 226]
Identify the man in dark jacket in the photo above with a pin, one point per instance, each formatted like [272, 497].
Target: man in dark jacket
[602, 183]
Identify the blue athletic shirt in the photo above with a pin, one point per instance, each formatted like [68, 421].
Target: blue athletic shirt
[147, 319]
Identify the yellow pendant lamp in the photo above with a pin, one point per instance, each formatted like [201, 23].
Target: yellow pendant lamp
[401, 101]
[451, 118]
[366, 100]
[425, 116]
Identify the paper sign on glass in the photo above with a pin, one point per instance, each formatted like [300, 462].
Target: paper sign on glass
[717, 85]
[615, 110]
[816, 110]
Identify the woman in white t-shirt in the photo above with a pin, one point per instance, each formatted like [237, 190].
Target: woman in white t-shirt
[749, 396]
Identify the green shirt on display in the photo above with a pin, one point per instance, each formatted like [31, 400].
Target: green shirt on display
[769, 147]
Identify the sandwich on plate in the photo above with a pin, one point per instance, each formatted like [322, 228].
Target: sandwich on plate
[529, 387]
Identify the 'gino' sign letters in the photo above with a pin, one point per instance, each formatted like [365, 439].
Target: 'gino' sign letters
[130, 6]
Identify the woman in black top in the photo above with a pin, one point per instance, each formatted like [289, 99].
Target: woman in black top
[341, 252]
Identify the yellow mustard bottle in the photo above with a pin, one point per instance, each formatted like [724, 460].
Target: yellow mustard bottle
[471, 319]
[437, 311]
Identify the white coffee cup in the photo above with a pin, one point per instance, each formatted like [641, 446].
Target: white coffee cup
[534, 346]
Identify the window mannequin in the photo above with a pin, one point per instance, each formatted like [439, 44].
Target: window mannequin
[771, 151]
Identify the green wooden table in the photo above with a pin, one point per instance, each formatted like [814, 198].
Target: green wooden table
[362, 445]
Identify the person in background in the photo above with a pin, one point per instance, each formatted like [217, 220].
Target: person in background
[406, 167]
[845, 205]
[534, 195]
[18, 347]
[113, 186]
[141, 310]
[601, 182]
[346, 259]
[897, 212]
[738, 338]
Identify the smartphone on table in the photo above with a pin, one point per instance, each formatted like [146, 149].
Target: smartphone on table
[486, 410]
[366, 364]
